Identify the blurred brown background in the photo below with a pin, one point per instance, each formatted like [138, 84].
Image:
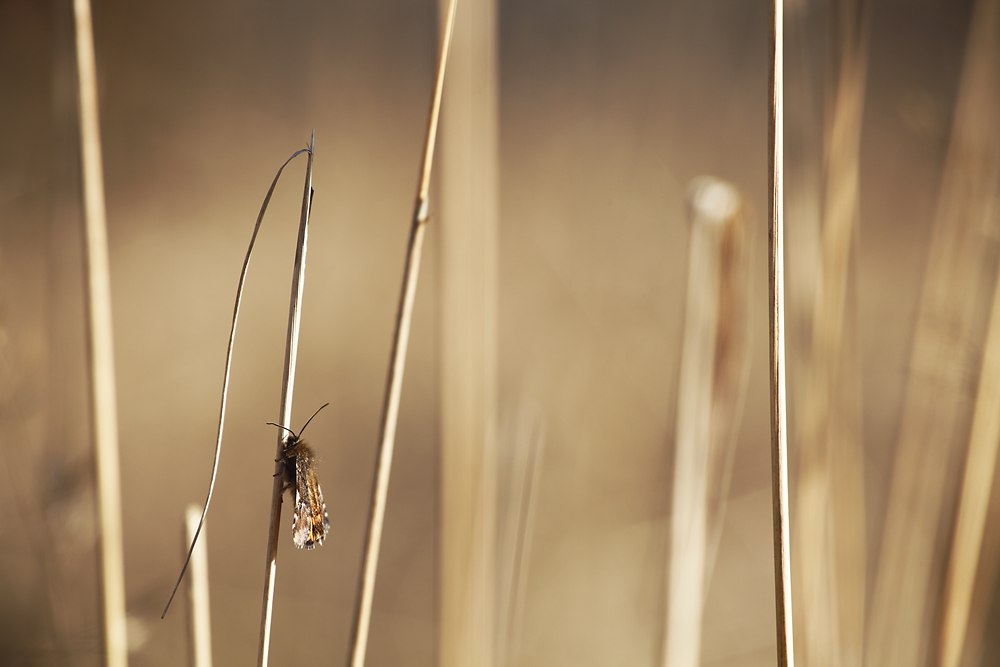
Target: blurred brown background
[607, 110]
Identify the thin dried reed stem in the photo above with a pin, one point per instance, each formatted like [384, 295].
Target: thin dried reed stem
[779, 435]
[101, 354]
[285, 411]
[394, 381]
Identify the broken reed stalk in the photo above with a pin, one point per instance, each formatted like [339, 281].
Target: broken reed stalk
[199, 614]
[776, 274]
[229, 364]
[285, 411]
[712, 379]
[394, 381]
[103, 399]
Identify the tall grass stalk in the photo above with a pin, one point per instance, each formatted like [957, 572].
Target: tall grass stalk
[285, 411]
[103, 398]
[776, 273]
[394, 381]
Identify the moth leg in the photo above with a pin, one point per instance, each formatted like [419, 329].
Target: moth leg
[284, 473]
[286, 468]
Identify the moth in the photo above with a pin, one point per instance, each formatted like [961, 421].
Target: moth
[310, 523]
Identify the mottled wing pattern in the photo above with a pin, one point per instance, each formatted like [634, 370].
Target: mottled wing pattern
[311, 521]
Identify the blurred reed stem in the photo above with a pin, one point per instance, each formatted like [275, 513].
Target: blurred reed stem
[285, 413]
[980, 462]
[830, 524]
[468, 231]
[713, 376]
[101, 346]
[523, 451]
[199, 611]
[776, 276]
[974, 500]
[976, 640]
[394, 381]
[935, 403]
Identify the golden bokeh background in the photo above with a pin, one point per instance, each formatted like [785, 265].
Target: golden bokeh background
[607, 111]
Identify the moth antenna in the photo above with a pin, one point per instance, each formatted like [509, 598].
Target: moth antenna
[286, 428]
[302, 430]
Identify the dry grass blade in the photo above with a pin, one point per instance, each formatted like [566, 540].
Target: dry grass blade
[394, 381]
[101, 353]
[229, 362]
[285, 414]
[779, 430]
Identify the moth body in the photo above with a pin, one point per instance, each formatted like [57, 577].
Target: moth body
[311, 522]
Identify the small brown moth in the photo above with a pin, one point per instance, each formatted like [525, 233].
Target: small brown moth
[310, 522]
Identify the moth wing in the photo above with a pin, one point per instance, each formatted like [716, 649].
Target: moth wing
[320, 520]
[301, 527]
[311, 521]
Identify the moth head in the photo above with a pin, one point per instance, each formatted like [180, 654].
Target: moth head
[293, 439]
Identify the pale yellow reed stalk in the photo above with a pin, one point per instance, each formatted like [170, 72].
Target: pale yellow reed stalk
[103, 398]
[469, 241]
